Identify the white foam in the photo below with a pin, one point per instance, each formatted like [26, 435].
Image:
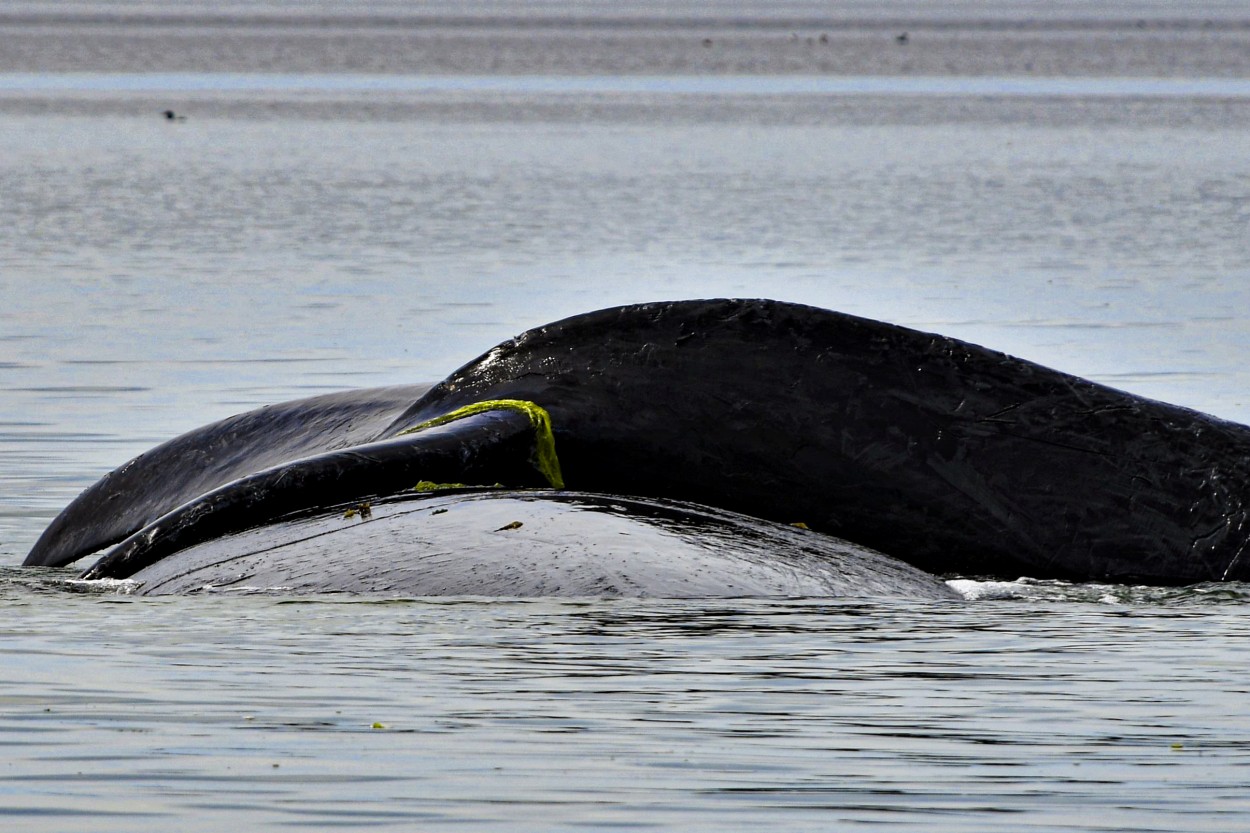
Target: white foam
[974, 590]
[123, 586]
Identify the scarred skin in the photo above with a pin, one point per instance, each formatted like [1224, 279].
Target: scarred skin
[951, 457]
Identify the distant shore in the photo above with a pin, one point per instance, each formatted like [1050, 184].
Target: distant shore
[684, 39]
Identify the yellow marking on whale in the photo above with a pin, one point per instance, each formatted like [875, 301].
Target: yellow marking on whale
[547, 463]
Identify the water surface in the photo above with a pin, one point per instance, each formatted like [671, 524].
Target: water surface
[605, 715]
[364, 195]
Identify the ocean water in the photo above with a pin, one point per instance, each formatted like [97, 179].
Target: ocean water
[374, 194]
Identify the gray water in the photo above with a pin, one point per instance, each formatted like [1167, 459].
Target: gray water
[623, 715]
[374, 194]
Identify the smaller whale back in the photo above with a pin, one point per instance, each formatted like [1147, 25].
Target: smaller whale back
[152, 484]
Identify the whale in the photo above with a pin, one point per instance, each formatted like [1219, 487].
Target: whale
[532, 543]
[878, 440]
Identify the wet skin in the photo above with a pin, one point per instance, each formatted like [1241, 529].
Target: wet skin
[949, 456]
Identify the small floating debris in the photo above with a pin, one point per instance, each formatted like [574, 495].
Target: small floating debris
[364, 510]
[170, 115]
[902, 38]
[513, 525]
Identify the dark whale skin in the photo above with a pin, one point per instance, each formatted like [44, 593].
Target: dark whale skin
[952, 457]
[136, 493]
[485, 449]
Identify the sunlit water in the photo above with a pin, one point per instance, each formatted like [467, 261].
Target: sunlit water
[314, 232]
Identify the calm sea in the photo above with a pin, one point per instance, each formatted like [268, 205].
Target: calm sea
[366, 194]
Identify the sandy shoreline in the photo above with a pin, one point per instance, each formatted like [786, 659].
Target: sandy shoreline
[989, 40]
[899, 42]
